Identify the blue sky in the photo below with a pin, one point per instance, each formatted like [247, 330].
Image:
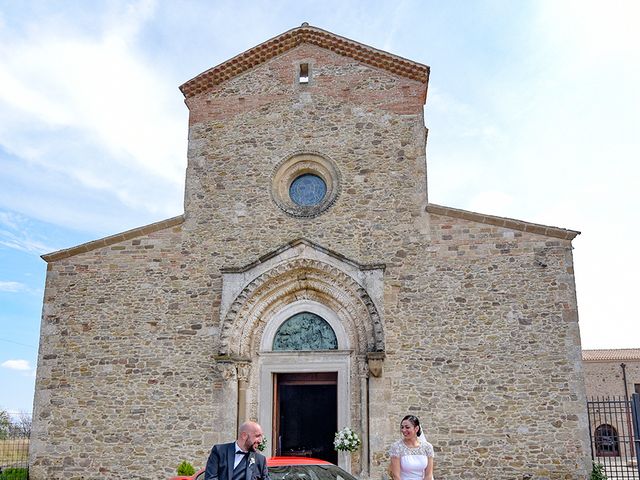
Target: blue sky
[533, 111]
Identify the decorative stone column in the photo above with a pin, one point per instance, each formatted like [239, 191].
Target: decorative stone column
[345, 460]
[372, 367]
[363, 374]
[243, 368]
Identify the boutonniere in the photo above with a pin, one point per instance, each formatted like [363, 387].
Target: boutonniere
[252, 460]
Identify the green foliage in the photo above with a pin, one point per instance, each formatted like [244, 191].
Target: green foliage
[185, 468]
[14, 474]
[5, 424]
[597, 473]
[263, 444]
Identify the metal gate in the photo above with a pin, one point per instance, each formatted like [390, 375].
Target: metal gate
[614, 428]
[15, 429]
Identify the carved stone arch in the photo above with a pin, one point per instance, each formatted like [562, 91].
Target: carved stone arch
[355, 331]
[291, 280]
[278, 291]
[274, 295]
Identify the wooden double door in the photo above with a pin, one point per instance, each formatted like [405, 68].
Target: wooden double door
[305, 416]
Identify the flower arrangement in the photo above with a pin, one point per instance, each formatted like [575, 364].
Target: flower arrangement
[346, 440]
[263, 444]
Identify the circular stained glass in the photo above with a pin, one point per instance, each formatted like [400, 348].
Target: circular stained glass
[307, 190]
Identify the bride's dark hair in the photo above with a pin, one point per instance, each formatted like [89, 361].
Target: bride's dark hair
[414, 421]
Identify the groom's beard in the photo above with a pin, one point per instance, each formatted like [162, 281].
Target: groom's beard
[249, 447]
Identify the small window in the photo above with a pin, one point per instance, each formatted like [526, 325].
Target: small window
[304, 73]
[307, 190]
[636, 387]
[606, 440]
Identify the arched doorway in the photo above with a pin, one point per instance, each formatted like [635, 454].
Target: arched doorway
[305, 382]
[305, 404]
[259, 298]
[305, 416]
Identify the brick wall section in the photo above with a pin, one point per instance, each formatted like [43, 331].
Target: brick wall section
[332, 76]
[480, 320]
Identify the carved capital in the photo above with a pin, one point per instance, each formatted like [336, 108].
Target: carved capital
[374, 360]
[243, 368]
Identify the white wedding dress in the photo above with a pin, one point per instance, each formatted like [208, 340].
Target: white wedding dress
[413, 461]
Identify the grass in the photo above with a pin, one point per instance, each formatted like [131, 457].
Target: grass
[14, 474]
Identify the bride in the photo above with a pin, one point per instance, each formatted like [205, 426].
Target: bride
[411, 457]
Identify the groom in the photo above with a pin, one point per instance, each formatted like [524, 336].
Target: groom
[238, 460]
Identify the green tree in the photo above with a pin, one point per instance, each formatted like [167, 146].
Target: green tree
[5, 424]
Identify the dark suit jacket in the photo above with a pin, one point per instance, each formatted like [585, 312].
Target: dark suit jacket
[220, 464]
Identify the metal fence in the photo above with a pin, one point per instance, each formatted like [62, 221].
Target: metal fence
[14, 445]
[614, 428]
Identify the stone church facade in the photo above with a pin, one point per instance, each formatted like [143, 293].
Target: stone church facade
[310, 285]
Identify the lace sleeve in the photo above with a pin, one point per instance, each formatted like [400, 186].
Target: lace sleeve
[428, 449]
[395, 450]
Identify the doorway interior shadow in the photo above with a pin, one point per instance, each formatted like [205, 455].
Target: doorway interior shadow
[306, 414]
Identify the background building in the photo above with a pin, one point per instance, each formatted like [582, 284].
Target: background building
[310, 285]
[611, 372]
[611, 376]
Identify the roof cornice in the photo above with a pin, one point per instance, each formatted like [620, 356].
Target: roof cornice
[503, 222]
[611, 354]
[295, 243]
[291, 39]
[113, 239]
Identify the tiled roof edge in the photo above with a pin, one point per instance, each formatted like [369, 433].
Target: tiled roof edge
[503, 222]
[297, 36]
[106, 241]
[611, 354]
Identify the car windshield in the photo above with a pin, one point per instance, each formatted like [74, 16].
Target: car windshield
[309, 472]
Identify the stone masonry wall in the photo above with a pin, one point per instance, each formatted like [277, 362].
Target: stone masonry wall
[604, 378]
[480, 321]
[483, 346]
[119, 375]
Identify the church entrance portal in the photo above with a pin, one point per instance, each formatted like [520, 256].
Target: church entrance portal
[305, 414]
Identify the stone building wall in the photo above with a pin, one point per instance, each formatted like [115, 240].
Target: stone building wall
[603, 375]
[479, 320]
[484, 347]
[610, 416]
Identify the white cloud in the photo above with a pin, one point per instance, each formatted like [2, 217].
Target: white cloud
[12, 287]
[591, 29]
[21, 365]
[9, 220]
[17, 234]
[88, 116]
[101, 88]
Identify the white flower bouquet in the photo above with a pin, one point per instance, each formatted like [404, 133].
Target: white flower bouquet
[346, 440]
